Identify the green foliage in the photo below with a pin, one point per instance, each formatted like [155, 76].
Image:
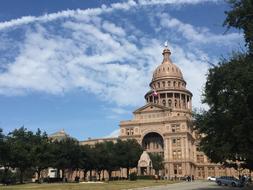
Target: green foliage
[87, 159]
[29, 152]
[7, 177]
[67, 154]
[41, 154]
[227, 125]
[133, 176]
[20, 142]
[128, 153]
[241, 17]
[157, 162]
[4, 150]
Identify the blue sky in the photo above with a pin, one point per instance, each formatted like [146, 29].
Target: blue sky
[83, 66]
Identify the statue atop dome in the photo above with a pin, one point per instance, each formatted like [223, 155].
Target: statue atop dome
[166, 44]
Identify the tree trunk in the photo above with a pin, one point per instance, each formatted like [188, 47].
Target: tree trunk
[110, 174]
[63, 175]
[21, 177]
[127, 173]
[38, 172]
[90, 175]
[84, 174]
[99, 175]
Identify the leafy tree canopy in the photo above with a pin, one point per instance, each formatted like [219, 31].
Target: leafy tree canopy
[241, 17]
[157, 161]
[228, 124]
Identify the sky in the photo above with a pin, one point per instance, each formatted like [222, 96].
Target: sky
[84, 66]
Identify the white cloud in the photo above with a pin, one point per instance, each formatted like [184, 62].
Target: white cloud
[102, 57]
[197, 34]
[93, 11]
[112, 28]
[176, 2]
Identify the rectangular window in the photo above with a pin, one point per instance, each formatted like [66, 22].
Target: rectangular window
[179, 154]
[176, 142]
[175, 128]
[174, 155]
[177, 169]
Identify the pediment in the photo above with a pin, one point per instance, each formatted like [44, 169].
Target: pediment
[151, 108]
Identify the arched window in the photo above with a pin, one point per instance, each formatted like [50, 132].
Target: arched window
[175, 103]
[169, 102]
[164, 102]
[174, 84]
[163, 83]
[168, 83]
[158, 84]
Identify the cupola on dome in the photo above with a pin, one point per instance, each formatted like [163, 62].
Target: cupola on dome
[167, 69]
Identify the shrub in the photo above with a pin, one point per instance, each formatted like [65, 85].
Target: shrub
[133, 176]
[146, 177]
[7, 177]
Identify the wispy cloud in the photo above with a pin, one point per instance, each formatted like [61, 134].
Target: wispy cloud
[93, 11]
[197, 34]
[102, 56]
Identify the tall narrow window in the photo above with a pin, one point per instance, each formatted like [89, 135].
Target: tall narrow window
[169, 102]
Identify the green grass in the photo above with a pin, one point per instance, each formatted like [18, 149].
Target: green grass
[115, 185]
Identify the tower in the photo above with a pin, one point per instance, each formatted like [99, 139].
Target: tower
[164, 124]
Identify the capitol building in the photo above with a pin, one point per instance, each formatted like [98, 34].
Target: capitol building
[164, 125]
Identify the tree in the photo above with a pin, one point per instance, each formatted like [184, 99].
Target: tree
[4, 156]
[20, 142]
[66, 155]
[87, 162]
[128, 153]
[227, 125]
[157, 162]
[41, 154]
[112, 163]
[2, 147]
[99, 159]
[241, 17]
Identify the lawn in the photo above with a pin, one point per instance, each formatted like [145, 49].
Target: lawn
[115, 185]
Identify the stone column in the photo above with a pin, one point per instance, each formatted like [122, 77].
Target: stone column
[170, 149]
[173, 100]
[206, 172]
[187, 148]
[166, 150]
[180, 101]
[216, 171]
[183, 147]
